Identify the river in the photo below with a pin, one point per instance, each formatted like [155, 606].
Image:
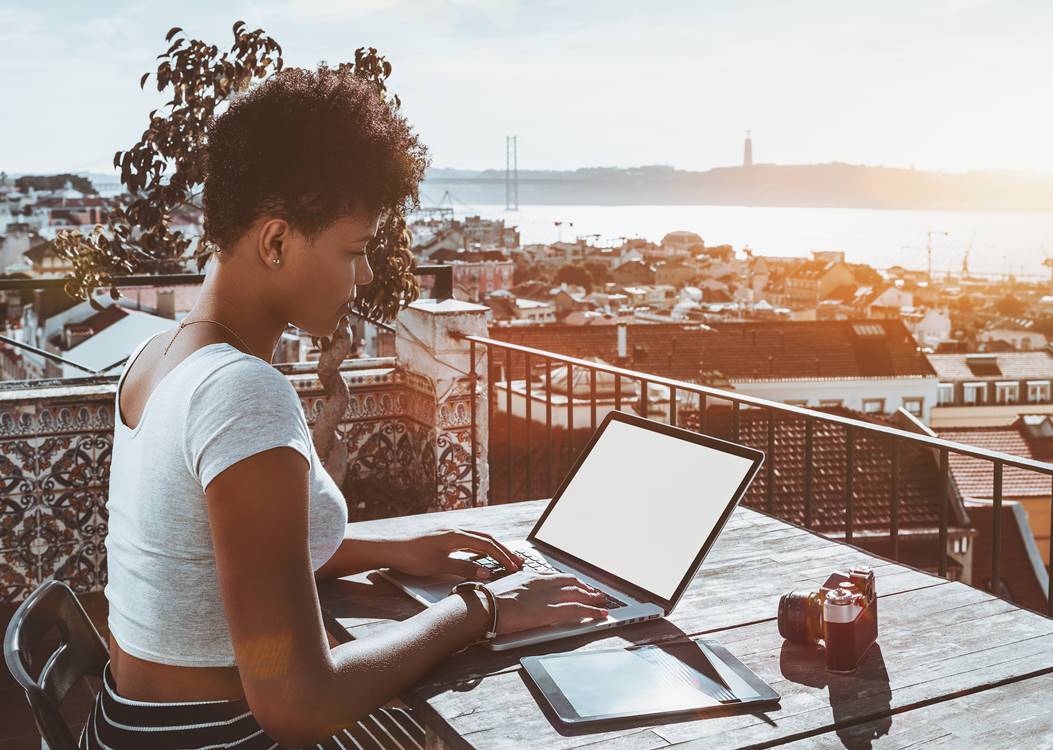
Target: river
[997, 242]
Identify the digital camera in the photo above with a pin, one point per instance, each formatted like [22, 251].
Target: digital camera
[841, 617]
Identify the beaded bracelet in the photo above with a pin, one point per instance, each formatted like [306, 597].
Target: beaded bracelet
[491, 630]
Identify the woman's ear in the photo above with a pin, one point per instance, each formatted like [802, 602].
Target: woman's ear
[274, 234]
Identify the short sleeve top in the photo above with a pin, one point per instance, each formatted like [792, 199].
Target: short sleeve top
[216, 407]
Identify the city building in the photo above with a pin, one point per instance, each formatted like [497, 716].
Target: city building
[814, 280]
[991, 389]
[1019, 334]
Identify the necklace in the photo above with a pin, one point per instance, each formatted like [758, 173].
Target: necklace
[185, 323]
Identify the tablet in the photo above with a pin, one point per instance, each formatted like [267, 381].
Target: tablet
[693, 677]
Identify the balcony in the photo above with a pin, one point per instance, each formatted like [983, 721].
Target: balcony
[419, 441]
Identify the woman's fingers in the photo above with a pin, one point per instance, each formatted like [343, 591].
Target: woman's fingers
[467, 569]
[568, 611]
[486, 545]
[582, 595]
[516, 559]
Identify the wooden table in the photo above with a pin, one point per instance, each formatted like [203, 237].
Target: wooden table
[954, 666]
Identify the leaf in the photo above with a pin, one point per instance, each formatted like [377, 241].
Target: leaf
[237, 25]
[142, 81]
[171, 33]
[116, 159]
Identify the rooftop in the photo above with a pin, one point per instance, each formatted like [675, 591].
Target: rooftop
[1001, 366]
[974, 476]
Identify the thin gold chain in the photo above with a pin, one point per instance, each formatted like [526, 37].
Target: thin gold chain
[185, 323]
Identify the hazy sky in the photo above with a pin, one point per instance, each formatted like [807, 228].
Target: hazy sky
[940, 84]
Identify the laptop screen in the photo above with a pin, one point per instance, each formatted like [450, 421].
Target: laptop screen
[642, 505]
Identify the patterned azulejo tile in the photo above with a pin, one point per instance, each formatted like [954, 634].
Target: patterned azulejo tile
[18, 465]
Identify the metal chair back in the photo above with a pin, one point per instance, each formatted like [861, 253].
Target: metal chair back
[81, 652]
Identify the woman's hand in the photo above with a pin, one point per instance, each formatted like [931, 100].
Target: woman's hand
[531, 600]
[429, 554]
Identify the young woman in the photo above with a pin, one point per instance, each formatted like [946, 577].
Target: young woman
[222, 517]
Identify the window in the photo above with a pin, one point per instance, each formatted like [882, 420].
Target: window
[1007, 393]
[975, 393]
[1037, 391]
[874, 405]
[831, 402]
[802, 402]
[914, 405]
[946, 393]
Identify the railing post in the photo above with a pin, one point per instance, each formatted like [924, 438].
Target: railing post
[945, 502]
[894, 519]
[769, 484]
[508, 425]
[529, 423]
[850, 483]
[548, 426]
[996, 553]
[570, 416]
[809, 498]
[473, 380]
[1049, 568]
[592, 397]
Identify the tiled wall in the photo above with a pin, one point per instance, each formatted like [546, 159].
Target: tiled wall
[408, 455]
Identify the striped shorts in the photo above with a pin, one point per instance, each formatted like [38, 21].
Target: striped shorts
[118, 723]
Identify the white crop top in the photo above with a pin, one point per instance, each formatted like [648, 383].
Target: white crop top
[216, 407]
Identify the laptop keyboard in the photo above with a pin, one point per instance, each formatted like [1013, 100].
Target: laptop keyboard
[535, 562]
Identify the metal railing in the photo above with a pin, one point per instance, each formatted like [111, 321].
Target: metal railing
[532, 359]
[442, 289]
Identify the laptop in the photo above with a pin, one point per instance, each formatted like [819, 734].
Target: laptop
[635, 517]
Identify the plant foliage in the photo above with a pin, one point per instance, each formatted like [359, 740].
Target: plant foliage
[164, 170]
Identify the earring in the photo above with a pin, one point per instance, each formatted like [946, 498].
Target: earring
[275, 261]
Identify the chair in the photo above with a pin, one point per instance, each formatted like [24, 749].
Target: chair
[81, 653]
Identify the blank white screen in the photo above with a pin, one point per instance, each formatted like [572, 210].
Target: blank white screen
[642, 505]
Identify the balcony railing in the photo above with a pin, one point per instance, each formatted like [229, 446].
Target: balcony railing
[519, 386]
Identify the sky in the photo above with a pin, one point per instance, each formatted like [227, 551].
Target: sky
[949, 85]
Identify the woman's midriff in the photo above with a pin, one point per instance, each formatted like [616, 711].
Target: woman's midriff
[138, 679]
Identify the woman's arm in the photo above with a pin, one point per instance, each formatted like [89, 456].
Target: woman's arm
[299, 690]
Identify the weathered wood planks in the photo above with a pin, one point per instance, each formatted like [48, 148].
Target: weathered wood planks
[939, 643]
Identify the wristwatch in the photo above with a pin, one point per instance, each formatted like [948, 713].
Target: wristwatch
[491, 630]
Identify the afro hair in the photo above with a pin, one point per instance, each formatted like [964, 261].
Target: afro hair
[310, 147]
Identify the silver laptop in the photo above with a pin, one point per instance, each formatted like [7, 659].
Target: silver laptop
[635, 517]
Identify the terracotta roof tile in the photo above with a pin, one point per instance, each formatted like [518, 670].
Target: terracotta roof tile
[741, 351]
[975, 476]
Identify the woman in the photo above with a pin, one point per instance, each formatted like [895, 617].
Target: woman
[222, 517]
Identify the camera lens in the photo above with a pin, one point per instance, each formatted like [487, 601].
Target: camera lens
[800, 617]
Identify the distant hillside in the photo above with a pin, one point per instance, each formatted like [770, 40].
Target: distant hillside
[834, 185]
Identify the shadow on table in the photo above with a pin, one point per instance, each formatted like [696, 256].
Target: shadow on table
[863, 693]
[464, 672]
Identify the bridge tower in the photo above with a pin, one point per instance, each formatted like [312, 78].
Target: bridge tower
[511, 173]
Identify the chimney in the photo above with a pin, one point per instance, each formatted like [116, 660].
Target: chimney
[166, 303]
[623, 341]
[75, 334]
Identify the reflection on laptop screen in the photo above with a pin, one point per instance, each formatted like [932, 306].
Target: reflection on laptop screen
[642, 505]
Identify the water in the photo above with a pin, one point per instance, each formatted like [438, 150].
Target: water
[998, 242]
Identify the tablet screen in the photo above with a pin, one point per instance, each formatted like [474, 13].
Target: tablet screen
[622, 682]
